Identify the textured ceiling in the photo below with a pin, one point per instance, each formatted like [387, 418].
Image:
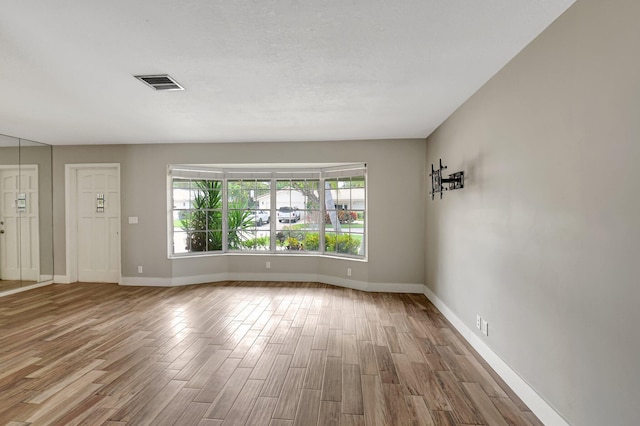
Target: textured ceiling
[253, 70]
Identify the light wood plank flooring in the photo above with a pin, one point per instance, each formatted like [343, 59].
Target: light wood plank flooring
[240, 353]
[9, 285]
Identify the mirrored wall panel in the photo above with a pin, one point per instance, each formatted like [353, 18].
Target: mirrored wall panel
[26, 213]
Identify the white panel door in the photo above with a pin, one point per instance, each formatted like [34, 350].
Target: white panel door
[19, 230]
[9, 228]
[98, 242]
[29, 224]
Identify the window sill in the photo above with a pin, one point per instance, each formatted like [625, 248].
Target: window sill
[271, 254]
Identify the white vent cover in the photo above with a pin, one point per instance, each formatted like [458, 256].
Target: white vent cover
[159, 82]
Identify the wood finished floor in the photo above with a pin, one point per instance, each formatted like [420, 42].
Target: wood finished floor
[13, 284]
[240, 353]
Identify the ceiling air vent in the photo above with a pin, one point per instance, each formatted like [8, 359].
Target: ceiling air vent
[159, 82]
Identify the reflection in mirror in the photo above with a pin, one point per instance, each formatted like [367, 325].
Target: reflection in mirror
[9, 235]
[36, 213]
[26, 231]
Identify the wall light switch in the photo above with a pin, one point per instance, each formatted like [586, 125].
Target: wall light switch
[133, 220]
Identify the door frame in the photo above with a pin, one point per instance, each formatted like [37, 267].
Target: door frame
[71, 219]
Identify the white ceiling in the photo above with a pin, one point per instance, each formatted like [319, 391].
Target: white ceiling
[270, 70]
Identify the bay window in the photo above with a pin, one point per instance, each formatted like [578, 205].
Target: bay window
[250, 209]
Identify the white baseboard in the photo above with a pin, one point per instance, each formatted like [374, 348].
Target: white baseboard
[545, 412]
[61, 279]
[208, 278]
[172, 282]
[327, 279]
[29, 287]
[145, 282]
[372, 287]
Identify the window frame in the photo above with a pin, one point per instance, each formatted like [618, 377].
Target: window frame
[250, 210]
[274, 175]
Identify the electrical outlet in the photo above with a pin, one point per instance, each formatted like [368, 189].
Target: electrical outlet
[485, 328]
[268, 265]
[139, 269]
[478, 322]
[348, 272]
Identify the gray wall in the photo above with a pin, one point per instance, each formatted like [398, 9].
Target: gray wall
[544, 240]
[395, 195]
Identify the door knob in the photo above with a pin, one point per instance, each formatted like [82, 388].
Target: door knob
[1, 231]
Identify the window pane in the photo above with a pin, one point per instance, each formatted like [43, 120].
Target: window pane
[180, 242]
[199, 241]
[347, 243]
[256, 241]
[247, 222]
[298, 214]
[181, 220]
[261, 199]
[296, 240]
[239, 223]
[181, 194]
[197, 215]
[330, 242]
[301, 241]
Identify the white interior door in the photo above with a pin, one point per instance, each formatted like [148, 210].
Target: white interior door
[9, 229]
[98, 224]
[19, 224]
[29, 224]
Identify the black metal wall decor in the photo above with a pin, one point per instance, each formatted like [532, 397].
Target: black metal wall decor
[455, 181]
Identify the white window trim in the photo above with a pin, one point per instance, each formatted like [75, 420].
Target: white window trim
[226, 172]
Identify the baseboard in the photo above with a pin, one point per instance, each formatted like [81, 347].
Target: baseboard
[325, 279]
[146, 281]
[61, 279]
[29, 287]
[372, 287]
[545, 412]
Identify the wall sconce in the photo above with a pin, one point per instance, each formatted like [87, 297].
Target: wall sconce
[455, 181]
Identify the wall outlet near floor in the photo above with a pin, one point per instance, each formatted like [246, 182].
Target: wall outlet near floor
[139, 269]
[268, 265]
[348, 272]
[485, 328]
[478, 322]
